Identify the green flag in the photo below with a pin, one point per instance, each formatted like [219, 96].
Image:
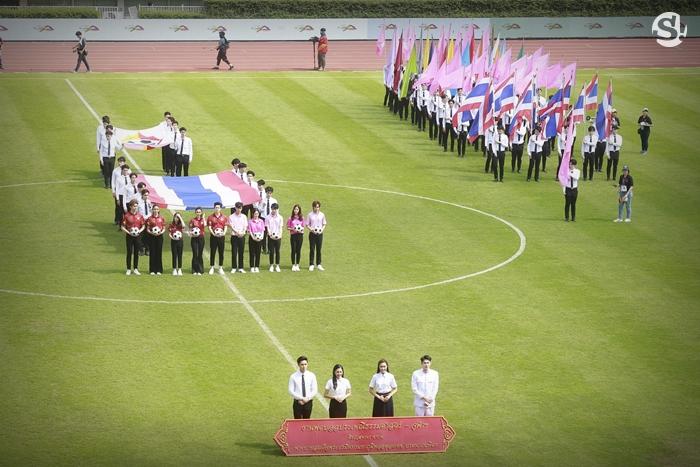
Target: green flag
[521, 54]
[411, 69]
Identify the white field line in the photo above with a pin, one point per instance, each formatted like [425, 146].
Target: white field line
[248, 307]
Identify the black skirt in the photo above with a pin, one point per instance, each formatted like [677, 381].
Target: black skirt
[383, 409]
[338, 409]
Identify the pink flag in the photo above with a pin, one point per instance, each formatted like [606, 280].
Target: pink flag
[381, 40]
[563, 175]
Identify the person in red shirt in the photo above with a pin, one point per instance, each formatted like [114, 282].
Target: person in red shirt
[197, 241]
[217, 224]
[155, 227]
[132, 225]
[175, 234]
[322, 50]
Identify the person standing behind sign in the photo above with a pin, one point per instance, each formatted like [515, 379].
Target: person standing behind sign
[644, 129]
[424, 384]
[383, 386]
[322, 50]
[302, 387]
[222, 48]
[81, 49]
[338, 390]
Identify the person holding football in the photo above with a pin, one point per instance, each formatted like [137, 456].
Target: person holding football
[217, 224]
[175, 234]
[197, 225]
[155, 227]
[295, 226]
[273, 224]
[132, 224]
[256, 231]
[316, 223]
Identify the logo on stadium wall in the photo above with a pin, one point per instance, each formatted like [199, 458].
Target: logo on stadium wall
[91, 28]
[2, 28]
[262, 28]
[133, 28]
[510, 26]
[46, 28]
[306, 27]
[180, 28]
[552, 26]
[427, 27]
[668, 29]
[218, 29]
[636, 25]
[348, 27]
[594, 26]
[390, 26]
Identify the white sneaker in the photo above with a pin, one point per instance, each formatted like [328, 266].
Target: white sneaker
[294, 268]
[320, 268]
[257, 269]
[153, 273]
[277, 268]
[242, 271]
[628, 220]
[128, 272]
[157, 274]
[233, 271]
[179, 272]
[211, 270]
[174, 272]
[617, 220]
[221, 271]
[136, 272]
[311, 268]
[272, 268]
[252, 269]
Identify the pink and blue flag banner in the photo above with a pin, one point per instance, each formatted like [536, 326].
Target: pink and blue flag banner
[563, 174]
[180, 193]
[144, 140]
[591, 100]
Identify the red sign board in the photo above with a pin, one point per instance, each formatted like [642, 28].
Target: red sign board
[346, 436]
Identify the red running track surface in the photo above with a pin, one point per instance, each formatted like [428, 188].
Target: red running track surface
[342, 55]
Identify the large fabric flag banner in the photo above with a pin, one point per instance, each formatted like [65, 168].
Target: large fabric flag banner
[143, 140]
[179, 193]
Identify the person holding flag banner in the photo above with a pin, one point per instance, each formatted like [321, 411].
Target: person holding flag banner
[569, 176]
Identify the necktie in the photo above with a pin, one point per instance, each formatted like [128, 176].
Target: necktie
[241, 175]
[182, 144]
[303, 386]
[267, 207]
[125, 180]
[146, 206]
[109, 146]
[134, 188]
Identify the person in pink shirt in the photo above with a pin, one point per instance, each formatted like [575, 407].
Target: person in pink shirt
[316, 223]
[295, 226]
[256, 231]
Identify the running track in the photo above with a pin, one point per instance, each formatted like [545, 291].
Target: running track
[343, 55]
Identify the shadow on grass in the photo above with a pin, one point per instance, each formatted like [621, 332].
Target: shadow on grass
[268, 449]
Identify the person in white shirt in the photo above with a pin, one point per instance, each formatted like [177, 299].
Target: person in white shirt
[239, 224]
[316, 223]
[488, 149]
[588, 150]
[443, 107]
[303, 388]
[116, 174]
[500, 144]
[382, 387]
[432, 116]
[100, 134]
[516, 159]
[183, 154]
[613, 150]
[273, 227]
[131, 191]
[424, 384]
[561, 146]
[462, 132]
[423, 102]
[534, 151]
[265, 207]
[167, 126]
[571, 191]
[454, 132]
[108, 153]
[338, 389]
[118, 188]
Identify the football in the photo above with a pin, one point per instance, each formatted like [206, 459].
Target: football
[134, 231]
[299, 228]
[274, 236]
[195, 232]
[257, 236]
[318, 231]
[177, 235]
[218, 231]
[156, 230]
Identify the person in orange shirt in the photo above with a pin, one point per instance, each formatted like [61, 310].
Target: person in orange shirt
[322, 50]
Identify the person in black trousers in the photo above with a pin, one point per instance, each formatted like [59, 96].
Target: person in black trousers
[500, 144]
[644, 130]
[614, 145]
[81, 49]
[571, 192]
[295, 226]
[196, 229]
[176, 242]
[534, 151]
[222, 49]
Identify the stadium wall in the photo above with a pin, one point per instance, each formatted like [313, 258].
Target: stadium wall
[16, 29]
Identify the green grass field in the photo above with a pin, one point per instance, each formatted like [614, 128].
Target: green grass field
[582, 351]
